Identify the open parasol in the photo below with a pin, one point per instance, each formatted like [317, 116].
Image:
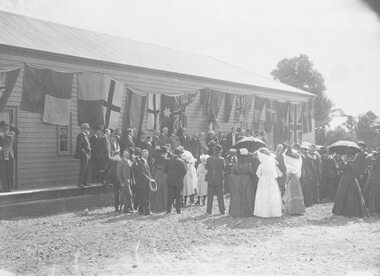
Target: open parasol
[343, 147]
[250, 143]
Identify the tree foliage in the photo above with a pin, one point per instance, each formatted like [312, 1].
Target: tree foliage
[339, 133]
[300, 72]
[365, 128]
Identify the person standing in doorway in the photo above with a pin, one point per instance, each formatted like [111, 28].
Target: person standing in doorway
[83, 153]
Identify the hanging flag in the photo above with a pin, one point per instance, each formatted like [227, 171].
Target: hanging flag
[134, 110]
[240, 106]
[112, 103]
[57, 103]
[99, 100]
[228, 101]
[270, 115]
[295, 124]
[7, 82]
[172, 112]
[33, 91]
[154, 102]
[258, 108]
[211, 101]
[248, 104]
[281, 128]
[307, 117]
[91, 95]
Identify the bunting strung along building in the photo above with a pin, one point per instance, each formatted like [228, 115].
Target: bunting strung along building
[54, 77]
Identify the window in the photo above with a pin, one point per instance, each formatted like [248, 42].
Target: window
[64, 139]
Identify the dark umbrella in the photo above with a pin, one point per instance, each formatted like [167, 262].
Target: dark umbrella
[250, 143]
[342, 147]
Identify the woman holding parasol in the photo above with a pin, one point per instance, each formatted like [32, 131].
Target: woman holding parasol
[349, 200]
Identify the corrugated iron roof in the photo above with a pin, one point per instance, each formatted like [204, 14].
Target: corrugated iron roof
[30, 33]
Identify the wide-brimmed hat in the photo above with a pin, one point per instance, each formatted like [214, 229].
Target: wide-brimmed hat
[178, 151]
[204, 158]
[305, 145]
[243, 152]
[232, 151]
[361, 143]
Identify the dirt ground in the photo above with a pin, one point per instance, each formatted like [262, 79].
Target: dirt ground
[102, 242]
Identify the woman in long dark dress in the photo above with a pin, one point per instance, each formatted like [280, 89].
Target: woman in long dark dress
[158, 199]
[349, 200]
[241, 188]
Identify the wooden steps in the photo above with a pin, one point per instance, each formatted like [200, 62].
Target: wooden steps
[54, 200]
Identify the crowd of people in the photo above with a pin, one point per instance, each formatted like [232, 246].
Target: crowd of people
[173, 169]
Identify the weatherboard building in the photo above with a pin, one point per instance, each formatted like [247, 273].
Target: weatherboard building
[82, 71]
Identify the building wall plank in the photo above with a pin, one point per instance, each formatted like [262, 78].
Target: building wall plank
[38, 163]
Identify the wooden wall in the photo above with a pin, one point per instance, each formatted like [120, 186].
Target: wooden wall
[38, 163]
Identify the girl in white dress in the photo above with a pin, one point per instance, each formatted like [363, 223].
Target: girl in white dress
[268, 201]
[202, 183]
[190, 181]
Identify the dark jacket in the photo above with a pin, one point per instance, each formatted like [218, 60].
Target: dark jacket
[83, 146]
[100, 147]
[176, 170]
[185, 142]
[229, 140]
[164, 139]
[215, 170]
[141, 173]
[361, 163]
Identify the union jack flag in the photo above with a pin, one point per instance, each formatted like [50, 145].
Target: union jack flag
[295, 123]
[172, 112]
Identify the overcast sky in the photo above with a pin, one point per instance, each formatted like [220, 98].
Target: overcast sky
[341, 37]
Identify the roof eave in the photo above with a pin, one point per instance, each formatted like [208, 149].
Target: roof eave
[21, 51]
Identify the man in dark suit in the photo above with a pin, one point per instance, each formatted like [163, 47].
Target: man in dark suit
[83, 153]
[142, 180]
[127, 141]
[175, 170]
[215, 177]
[156, 138]
[184, 139]
[232, 138]
[8, 154]
[3, 171]
[100, 155]
[164, 138]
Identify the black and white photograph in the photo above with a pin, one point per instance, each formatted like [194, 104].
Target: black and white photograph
[190, 137]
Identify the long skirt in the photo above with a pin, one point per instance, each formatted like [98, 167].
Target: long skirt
[268, 201]
[293, 198]
[241, 199]
[158, 199]
[349, 201]
[307, 191]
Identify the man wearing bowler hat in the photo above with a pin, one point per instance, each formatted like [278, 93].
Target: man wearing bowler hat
[83, 153]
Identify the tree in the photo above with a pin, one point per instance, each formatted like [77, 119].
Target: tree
[300, 72]
[339, 133]
[365, 128]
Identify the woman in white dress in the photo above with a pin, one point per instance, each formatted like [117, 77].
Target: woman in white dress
[293, 197]
[202, 183]
[190, 181]
[268, 201]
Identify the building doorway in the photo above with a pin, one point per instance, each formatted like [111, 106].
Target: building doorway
[9, 116]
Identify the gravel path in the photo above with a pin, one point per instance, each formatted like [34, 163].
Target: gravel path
[102, 242]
